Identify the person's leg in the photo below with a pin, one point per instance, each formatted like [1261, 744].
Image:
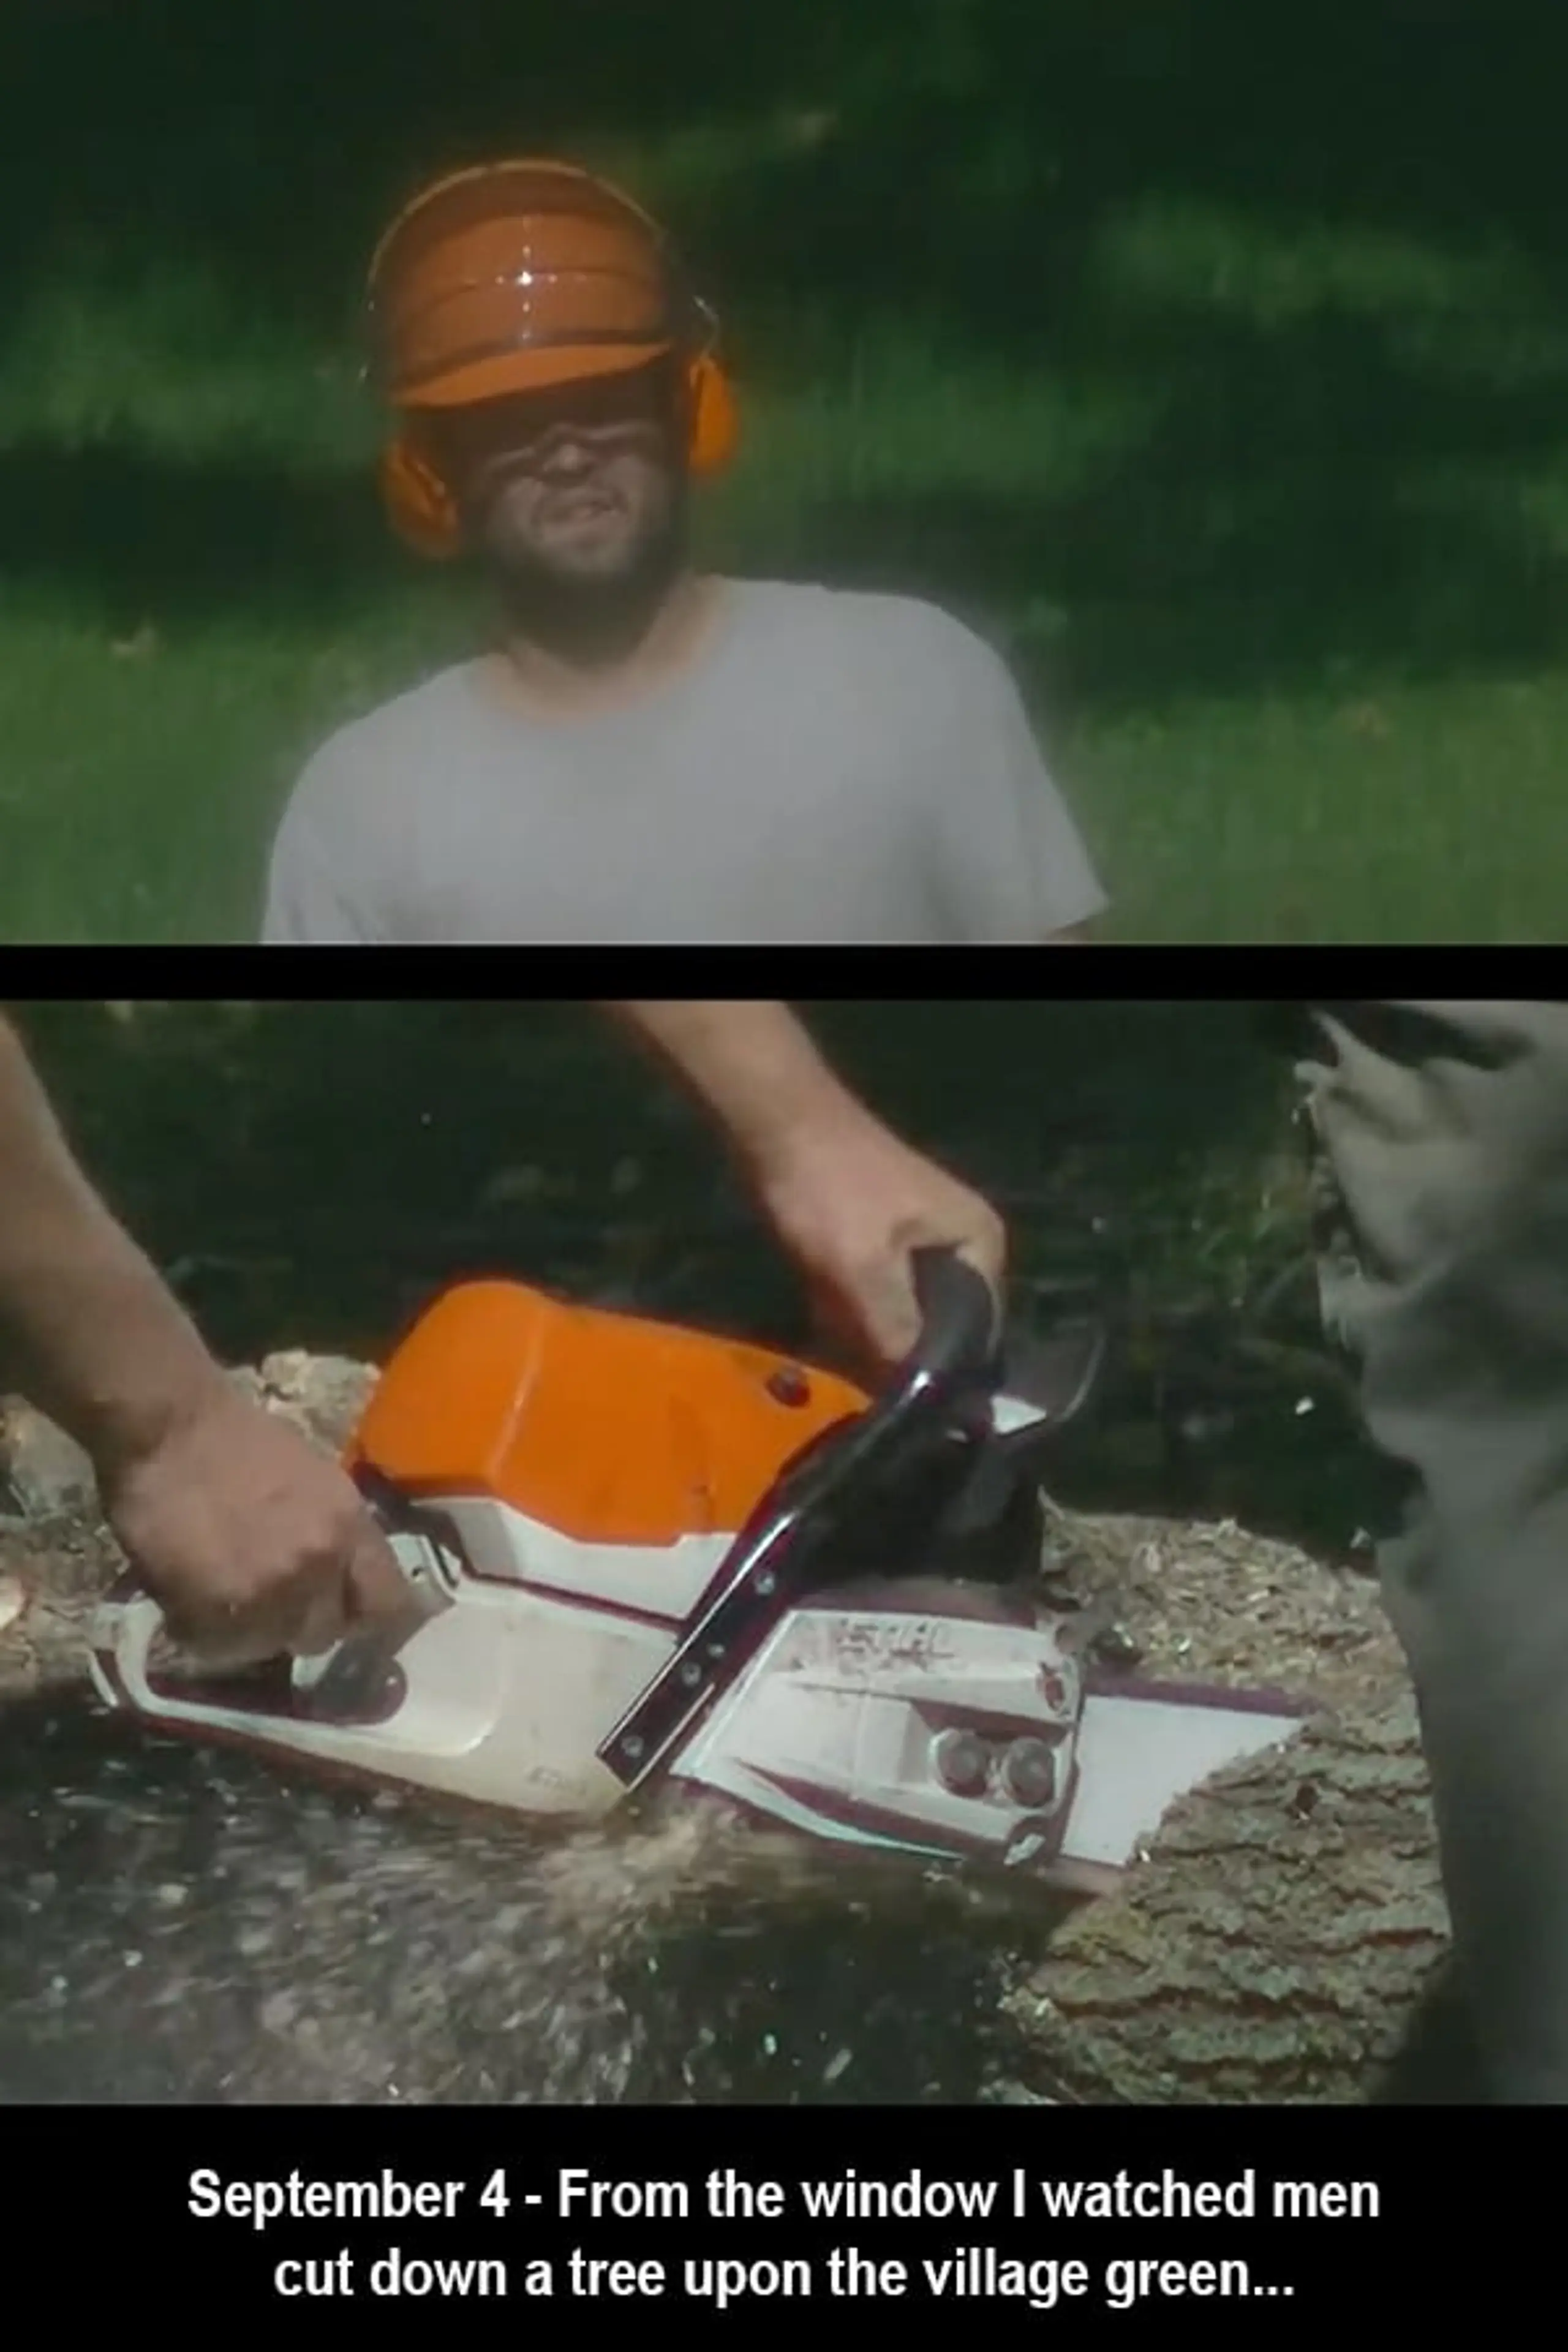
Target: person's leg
[1443, 1132]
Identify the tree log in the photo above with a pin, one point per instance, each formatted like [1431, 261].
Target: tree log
[1276, 1941]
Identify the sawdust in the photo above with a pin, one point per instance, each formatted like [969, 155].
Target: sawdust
[184, 1925]
[1217, 1603]
[52, 1573]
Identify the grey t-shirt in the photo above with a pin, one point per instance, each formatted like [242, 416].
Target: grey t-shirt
[838, 767]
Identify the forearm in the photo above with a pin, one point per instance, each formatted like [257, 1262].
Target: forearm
[848, 1199]
[88, 1330]
[753, 1069]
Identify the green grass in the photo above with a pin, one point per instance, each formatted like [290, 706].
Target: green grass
[1274, 530]
[1425, 814]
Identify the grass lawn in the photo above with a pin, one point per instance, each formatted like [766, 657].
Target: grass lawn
[1275, 538]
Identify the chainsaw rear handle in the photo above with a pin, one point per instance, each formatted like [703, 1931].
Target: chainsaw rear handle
[348, 1680]
[129, 1621]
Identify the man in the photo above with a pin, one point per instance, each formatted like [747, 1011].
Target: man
[647, 754]
[1441, 1134]
[253, 1543]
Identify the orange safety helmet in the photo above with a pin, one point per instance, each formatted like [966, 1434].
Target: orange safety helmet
[513, 277]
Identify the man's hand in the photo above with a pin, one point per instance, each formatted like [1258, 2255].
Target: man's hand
[253, 1543]
[847, 1198]
[850, 1204]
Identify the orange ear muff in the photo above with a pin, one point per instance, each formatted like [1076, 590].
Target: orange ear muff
[714, 429]
[418, 505]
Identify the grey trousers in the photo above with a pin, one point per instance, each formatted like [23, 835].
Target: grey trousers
[1442, 1141]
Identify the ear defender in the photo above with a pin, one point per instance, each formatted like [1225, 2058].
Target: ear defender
[715, 424]
[418, 505]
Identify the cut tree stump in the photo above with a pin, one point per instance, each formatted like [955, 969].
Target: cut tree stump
[1275, 1942]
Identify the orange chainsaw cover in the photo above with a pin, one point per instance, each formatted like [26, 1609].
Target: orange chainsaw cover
[609, 1428]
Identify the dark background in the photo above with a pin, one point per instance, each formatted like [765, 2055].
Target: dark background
[308, 1174]
[981, 145]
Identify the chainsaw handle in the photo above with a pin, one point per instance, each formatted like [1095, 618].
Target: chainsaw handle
[780, 1551]
[347, 1678]
[129, 1622]
[343, 1683]
[960, 1320]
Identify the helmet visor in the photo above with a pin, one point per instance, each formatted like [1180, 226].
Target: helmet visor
[519, 300]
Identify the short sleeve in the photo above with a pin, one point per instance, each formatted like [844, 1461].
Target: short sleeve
[1015, 867]
[312, 898]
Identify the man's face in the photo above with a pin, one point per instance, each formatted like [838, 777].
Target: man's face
[573, 486]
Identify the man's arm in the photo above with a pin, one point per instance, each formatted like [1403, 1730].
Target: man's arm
[753, 1065]
[89, 1330]
[240, 1527]
[847, 1198]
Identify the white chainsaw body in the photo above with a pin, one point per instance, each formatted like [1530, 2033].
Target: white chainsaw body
[927, 1727]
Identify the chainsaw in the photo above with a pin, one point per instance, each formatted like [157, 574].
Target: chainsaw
[643, 1557]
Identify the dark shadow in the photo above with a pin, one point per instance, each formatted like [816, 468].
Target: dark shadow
[531, 1139]
[979, 166]
[984, 144]
[1438, 2061]
[1153, 587]
[1190, 568]
[1277, 524]
[136, 535]
[1289, 516]
[354, 1157]
[182, 1925]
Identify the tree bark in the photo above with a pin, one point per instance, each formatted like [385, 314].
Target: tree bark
[1278, 1939]
[1272, 1950]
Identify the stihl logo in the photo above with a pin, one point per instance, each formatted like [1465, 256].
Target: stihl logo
[877, 1646]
